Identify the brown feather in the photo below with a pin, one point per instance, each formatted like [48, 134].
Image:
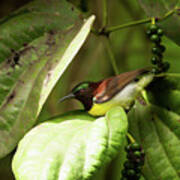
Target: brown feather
[111, 86]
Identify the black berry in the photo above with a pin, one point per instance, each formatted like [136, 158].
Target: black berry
[140, 162]
[128, 165]
[155, 70]
[162, 48]
[160, 56]
[128, 148]
[165, 66]
[156, 50]
[155, 33]
[131, 172]
[148, 33]
[154, 60]
[135, 146]
[160, 32]
[138, 169]
[133, 164]
[155, 38]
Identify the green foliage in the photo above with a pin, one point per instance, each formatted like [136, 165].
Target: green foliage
[72, 149]
[37, 44]
[29, 74]
[155, 8]
[157, 128]
[33, 21]
[158, 9]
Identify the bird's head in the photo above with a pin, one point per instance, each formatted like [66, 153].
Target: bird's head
[83, 92]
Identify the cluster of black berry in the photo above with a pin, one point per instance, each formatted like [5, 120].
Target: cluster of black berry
[155, 34]
[134, 163]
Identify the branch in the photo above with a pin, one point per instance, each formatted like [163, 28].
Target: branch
[122, 26]
[111, 55]
[134, 23]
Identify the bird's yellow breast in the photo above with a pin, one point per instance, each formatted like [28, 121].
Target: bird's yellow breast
[101, 109]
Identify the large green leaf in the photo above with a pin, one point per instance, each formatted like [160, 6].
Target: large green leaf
[28, 76]
[158, 8]
[34, 20]
[74, 149]
[157, 128]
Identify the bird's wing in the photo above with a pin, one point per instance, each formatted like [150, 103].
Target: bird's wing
[111, 86]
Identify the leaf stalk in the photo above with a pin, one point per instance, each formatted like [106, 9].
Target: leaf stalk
[108, 30]
[111, 55]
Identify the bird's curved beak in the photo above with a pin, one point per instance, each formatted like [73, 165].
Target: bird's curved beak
[69, 96]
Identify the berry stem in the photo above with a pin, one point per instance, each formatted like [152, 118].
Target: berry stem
[131, 139]
[138, 22]
[131, 24]
[153, 21]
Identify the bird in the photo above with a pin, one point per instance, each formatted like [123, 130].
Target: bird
[120, 90]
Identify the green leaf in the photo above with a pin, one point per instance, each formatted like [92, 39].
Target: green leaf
[158, 8]
[171, 26]
[157, 127]
[74, 149]
[28, 76]
[33, 21]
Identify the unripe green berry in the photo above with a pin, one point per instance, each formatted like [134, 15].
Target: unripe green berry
[127, 148]
[137, 154]
[155, 70]
[155, 38]
[160, 32]
[156, 50]
[153, 28]
[135, 146]
[149, 33]
[131, 172]
[154, 60]
[166, 66]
